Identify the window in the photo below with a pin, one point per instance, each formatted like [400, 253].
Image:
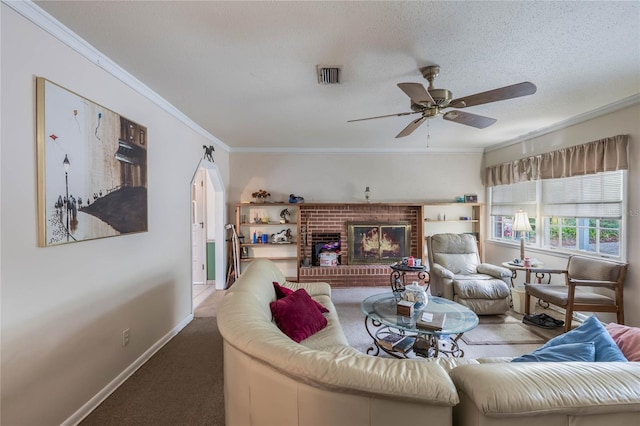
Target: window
[576, 214]
[505, 201]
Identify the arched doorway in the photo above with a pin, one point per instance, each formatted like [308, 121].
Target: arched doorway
[208, 246]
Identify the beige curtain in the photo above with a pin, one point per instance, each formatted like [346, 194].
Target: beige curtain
[603, 155]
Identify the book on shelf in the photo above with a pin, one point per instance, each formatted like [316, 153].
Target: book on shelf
[431, 320]
[396, 342]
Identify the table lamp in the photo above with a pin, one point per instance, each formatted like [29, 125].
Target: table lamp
[521, 223]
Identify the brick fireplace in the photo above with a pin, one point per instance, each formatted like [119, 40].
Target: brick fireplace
[332, 221]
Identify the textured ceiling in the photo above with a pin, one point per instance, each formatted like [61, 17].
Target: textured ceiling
[246, 71]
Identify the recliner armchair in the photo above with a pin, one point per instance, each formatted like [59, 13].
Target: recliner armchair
[456, 273]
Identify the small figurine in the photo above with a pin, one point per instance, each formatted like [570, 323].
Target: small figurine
[208, 152]
[283, 236]
[283, 214]
[294, 199]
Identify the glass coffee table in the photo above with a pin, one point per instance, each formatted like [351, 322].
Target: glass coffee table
[381, 319]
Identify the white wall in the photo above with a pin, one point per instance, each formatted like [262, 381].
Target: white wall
[64, 308]
[625, 121]
[340, 177]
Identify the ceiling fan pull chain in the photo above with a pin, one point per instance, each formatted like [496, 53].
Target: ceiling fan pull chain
[428, 134]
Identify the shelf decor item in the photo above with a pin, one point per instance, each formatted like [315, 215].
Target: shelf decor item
[261, 195]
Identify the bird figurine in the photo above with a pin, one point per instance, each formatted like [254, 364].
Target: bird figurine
[294, 199]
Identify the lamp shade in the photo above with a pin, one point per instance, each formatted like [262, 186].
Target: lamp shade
[521, 221]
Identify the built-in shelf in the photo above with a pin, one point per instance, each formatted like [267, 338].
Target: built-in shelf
[434, 222]
[267, 244]
[285, 253]
[454, 221]
[249, 259]
[270, 223]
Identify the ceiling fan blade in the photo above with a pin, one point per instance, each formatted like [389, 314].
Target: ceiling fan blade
[383, 116]
[417, 93]
[411, 127]
[468, 119]
[508, 92]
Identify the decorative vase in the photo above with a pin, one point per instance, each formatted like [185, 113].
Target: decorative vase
[414, 292]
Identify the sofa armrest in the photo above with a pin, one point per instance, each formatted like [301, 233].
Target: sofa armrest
[572, 388]
[494, 270]
[314, 289]
[441, 271]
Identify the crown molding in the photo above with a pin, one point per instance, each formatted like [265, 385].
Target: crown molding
[599, 112]
[48, 23]
[423, 150]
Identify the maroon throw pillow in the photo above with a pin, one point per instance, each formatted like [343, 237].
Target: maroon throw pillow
[297, 316]
[282, 291]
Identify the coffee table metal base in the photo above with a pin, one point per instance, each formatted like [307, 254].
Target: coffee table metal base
[427, 345]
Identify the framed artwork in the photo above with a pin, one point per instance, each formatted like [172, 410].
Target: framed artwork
[378, 243]
[470, 198]
[92, 169]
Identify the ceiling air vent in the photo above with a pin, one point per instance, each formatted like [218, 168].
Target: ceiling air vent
[329, 74]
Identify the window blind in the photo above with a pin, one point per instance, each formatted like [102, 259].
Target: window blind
[592, 196]
[506, 200]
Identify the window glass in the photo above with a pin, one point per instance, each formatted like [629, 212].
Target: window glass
[577, 214]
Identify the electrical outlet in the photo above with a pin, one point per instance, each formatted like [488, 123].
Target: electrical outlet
[126, 335]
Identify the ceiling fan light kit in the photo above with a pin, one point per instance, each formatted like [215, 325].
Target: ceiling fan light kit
[430, 102]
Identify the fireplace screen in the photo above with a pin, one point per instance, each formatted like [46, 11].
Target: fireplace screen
[382, 243]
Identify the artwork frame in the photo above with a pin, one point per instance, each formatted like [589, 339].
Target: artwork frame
[470, 198]
[376, 234]
[91, 169]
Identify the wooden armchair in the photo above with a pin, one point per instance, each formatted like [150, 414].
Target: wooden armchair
[583, 272]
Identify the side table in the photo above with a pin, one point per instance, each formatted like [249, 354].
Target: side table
[399, 275]
[527, 270]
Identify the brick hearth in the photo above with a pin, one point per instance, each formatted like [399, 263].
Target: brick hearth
[327, 218]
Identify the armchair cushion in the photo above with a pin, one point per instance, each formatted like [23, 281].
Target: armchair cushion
[494, 270]
[442, 271]
[556, 294]
[458, 263]
[484, 287]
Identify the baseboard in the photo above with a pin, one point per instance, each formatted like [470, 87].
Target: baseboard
[91, 405]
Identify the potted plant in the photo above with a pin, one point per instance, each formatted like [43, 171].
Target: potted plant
[261, 195]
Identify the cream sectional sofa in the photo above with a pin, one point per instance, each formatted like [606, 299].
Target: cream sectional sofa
[271, 380]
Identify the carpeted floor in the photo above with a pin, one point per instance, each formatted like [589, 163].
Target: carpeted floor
[509, 332]
[182, 384]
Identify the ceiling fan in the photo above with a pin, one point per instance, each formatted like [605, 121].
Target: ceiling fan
[430, 102]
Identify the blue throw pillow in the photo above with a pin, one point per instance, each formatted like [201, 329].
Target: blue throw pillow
[560, 353]
[591, 331]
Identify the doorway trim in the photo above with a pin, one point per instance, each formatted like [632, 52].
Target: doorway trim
[215, 178]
